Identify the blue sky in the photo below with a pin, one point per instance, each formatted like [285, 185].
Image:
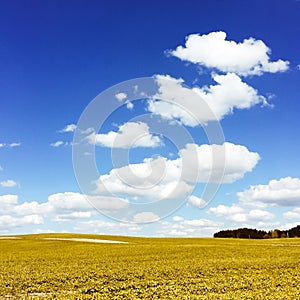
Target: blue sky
[55, 57]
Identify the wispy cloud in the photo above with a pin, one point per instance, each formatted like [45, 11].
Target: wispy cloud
[10, 145]
[59, 144]
[8, 183]
[68, 128]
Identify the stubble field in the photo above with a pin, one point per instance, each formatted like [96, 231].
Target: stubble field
[148, 268]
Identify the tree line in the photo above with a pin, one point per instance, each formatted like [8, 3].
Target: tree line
[246, 233]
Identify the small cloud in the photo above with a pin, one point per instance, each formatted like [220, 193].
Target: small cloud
[1, 169]
[177, 219]
[68, 128]
[294, 214]
[135, 89]
[12, 145]
[8, 183]
[121, 96]
[298, 67]
[196, 201]
[58, 144]
[145, 217]
[129, 105]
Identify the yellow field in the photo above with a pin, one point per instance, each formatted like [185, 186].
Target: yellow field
[148, 268]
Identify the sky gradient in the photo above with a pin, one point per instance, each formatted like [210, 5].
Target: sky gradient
[242, 58]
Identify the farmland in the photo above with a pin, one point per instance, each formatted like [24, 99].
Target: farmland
[33, 267]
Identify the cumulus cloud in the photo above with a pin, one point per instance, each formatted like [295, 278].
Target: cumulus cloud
[70, 202]
[129, 135]
[9, 218]
[213, 50]
[191, 106]
[161, 178]
[153, 179]
[60, 207]
[8, 183]
[68, 128]
[282, 192]
[8, 200]
[218, 163]
[8, 222]
[236, 213]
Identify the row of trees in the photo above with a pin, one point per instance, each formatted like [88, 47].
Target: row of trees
[246, 233]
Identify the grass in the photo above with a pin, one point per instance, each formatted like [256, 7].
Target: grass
[149, 268]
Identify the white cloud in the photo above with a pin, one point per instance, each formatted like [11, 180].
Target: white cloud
[145, 217]
[298, 67]
[10, 218]
[250, 57]
[282, 192]
[154, 179]
[189, 228]
[196, 201]
[60, 207]
[223, 210]
[13, 145]
[58, 144]
[104, 227]
[161, 178]
[218, 163]
[8, 183]
[69, 203]
[8, 222]
[177, 218]
[192, 106]
[129, 135]
[27, 208]
[121, 96]
[10, 145]
[129, 105]
[294, 214]
[199, 223]
[69, 128]
[8, 200]
[236, 213]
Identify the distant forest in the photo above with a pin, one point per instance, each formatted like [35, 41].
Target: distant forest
[246, 233]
